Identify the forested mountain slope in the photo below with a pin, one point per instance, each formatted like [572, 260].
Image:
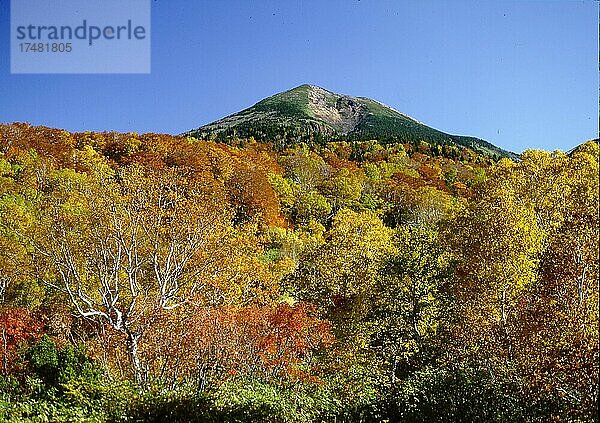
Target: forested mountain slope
[313, 114]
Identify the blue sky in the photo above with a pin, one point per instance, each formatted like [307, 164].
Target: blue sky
[520, 74]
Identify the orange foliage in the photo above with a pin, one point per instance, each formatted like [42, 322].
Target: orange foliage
[242, 174]
[212, 343]
[17, 325]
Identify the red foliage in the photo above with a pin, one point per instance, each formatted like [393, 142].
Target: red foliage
[17, 326]
[218, 342]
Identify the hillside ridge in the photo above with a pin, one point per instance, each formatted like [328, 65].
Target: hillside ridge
[315, 114]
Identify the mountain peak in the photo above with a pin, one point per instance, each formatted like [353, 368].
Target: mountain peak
[312, 113]
[309, 87]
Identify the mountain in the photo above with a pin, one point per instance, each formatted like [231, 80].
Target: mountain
[311, 113]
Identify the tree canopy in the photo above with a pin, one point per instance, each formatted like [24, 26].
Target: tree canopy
[151, 277]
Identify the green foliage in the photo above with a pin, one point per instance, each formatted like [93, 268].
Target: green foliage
[67, 371]
[62, 385]
[237, 400]
[252, 400]
[43, 360]
[455, 395]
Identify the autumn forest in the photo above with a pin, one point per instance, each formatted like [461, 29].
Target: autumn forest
[168, 278]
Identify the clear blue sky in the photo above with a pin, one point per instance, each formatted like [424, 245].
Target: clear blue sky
[521, 74]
